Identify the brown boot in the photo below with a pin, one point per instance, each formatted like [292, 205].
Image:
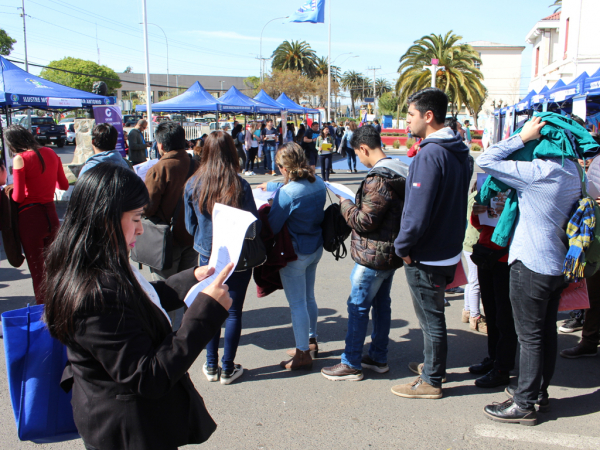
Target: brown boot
[301, 360]
[313, 347]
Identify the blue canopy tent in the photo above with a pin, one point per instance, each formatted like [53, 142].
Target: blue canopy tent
[560, 98]
[263, 97]
[194, 99]
[525, 104]
[21, 90]
[234, 101]
[293, 107]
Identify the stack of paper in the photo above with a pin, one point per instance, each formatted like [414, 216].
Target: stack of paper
[341, 190]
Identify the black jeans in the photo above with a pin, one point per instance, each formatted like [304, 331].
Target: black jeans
[326, 163]
[427, 285]
[591, 325]
[252, 152]
[502, 337]
[241, 154]
[534, 298]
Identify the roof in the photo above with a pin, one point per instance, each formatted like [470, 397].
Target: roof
[488, 44]
[555, 16]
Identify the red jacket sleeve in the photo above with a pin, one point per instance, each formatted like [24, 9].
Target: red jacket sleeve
[18, 194]
[61, 180]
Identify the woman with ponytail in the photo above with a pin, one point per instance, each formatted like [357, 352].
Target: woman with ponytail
[127, 368]
[37, 172]
[299, 203]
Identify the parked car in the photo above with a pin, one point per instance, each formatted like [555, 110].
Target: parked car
[46, 130]
[130, 120]
[71, 134]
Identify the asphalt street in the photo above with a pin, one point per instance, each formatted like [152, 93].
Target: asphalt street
[268, 408]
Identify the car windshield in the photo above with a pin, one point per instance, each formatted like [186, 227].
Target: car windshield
[42, 121]
[72, 127]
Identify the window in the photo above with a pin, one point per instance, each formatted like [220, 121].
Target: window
[566, 38]
[537, 60]
[477, 63]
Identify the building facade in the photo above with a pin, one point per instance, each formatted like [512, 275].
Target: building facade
[501, 69]
[565, 44]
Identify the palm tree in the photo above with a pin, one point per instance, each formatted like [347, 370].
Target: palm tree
[558, 4]
[321, 69]
[382, 86]
[295, 55]
[353, 82]
[456, 75]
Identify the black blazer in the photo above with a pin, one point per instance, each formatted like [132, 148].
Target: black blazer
[129, 394]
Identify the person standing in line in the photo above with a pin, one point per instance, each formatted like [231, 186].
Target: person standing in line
[37, 172]
[217, 181]
[548, 190]
[104, 142]
[138, 147]
[467, 130]
[432, 232]
[239, 137]
[300, 135]
[289, 135]
[339, 134]
[375, 222]
[270, 135]
[262, 147]
[324, 146]
[251, 141]
[350, 153]
[299, 203]
[377, 126]
[165, 182]
[309, 144]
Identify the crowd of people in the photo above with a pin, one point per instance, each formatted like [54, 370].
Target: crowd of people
[124, 344]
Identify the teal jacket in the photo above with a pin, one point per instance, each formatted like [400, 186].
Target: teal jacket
[556, 142]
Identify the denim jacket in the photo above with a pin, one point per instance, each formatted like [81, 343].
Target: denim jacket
[199, 224]
[299, 204]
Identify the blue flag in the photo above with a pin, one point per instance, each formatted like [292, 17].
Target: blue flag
[312, 11]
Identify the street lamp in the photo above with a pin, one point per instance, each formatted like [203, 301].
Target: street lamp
[334, 59]
[433, 69]
[221, 91]
[165, 34]
[262, 60]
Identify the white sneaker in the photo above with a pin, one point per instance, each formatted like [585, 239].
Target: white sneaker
[228, 378]
[250, 174]
[211, 373]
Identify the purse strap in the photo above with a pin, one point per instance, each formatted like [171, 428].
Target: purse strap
[180, 201]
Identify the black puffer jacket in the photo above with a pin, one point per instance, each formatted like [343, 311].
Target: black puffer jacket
[375, 218]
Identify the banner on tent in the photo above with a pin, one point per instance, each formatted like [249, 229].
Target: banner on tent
[580, 106]
[64, 102]
[113, 116]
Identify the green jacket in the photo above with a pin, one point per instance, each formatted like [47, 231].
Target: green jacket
[554, 143]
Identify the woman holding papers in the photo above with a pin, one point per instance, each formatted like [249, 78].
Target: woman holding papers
[299, 204]
[325, 148]
[217, 181]
[127, 368]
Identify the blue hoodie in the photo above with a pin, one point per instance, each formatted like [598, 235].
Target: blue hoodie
[111, 156]
[435, 207]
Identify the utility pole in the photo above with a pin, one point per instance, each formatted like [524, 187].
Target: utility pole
[374, 69]
[148, 88]
[26, 61]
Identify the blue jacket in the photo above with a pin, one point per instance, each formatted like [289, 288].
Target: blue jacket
[111, 156]
[199, 224]
[435, 207]
[299, 204]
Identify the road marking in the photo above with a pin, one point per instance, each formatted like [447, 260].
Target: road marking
[538, 437]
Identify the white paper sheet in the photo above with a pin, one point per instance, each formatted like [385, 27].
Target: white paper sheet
[143, 168]
[262, 197]
[490, 217]
[341, 190]
[229, 229]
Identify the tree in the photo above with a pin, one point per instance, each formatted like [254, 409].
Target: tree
[170, 94]
[388, 103]
[296, 56]
[6, 43]
[321, 69]
[128, 69]
[456, 75]
[253, 84]
[292, 82]
[83, 82]
[320, 89]
[382, 86]
[353, 82]
[558, 4]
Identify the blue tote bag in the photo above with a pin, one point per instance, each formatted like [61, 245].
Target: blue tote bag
[35, 362]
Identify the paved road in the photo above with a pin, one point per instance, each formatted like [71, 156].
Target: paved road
[268, 408]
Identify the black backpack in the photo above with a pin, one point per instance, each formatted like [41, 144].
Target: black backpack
[335, 231]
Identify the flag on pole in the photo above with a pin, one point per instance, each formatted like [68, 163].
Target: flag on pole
[313, 11]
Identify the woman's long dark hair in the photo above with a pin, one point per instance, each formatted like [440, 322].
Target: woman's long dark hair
[90, 247]
[217, 180]
[19, 140]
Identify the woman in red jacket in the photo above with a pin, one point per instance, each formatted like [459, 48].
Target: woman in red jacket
[37, 172]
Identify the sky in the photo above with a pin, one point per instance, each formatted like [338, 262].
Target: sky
[223, 38]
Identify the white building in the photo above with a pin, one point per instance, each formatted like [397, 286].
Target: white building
[565, 44]
[501, 69]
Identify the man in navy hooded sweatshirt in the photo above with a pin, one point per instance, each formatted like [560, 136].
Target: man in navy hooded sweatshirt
[432, 231]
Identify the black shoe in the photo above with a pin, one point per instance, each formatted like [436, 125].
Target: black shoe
[332, 172]
[483, 367]
[368, 363]
[571, 325]
[543, 403]
[492, 379]
[509, 412]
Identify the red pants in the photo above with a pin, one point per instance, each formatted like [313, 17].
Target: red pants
[38, 225]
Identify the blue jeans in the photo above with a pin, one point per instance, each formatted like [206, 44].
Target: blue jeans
[238, 285]
[350, 157]
[298, 280]
[427, 285]
[270, 151]
[370, 288]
